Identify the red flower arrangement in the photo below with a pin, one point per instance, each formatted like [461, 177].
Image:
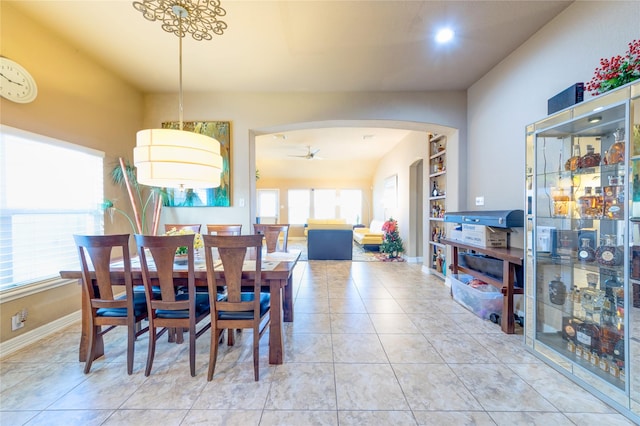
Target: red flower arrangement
[389, 227]
[391, 243]
[617, 71]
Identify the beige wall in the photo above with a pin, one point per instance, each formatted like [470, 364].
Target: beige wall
[78, 101]
[262, 113]
[515, 93]
[82, 102]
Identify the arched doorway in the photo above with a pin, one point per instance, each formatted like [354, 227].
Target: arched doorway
[411, 181]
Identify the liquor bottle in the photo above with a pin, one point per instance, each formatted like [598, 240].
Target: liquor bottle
[557, 291]
[434, 191]
[614, 198]
[573, 163]
[587, 204]
[609, 338]
[592, 299]
[609, 254]
[590, 159]
[577, 304]
[561, 198]
[586, 253]
[609, 308]
[588, 335]
[616, 152]
[604, 363]
[599, 208]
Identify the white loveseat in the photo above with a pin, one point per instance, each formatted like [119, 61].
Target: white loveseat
[369, 238]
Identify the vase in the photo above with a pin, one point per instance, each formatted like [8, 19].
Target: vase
[181, 259]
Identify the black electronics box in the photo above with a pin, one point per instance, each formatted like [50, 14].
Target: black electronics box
[571, 96]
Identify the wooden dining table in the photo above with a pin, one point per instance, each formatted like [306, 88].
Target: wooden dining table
[277, 275]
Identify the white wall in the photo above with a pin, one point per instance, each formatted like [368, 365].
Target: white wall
[515, 93]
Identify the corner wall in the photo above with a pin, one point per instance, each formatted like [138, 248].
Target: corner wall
[78, 101]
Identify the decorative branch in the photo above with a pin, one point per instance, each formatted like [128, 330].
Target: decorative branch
[131, 198]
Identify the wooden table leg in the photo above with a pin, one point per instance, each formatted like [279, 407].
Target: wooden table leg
[84, 334]
[507, 322]
[276, 342]
[287, 300]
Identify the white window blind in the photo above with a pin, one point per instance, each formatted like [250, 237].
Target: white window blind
[49, 190]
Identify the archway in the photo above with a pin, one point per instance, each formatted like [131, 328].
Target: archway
[412, 207]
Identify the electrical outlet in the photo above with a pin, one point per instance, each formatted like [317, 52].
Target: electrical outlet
[16, 322]
[479, 201]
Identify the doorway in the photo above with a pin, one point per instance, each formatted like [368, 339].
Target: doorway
[416, 197]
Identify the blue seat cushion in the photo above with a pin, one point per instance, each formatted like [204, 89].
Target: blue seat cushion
[265, 302]
[139, 307]
[202, 307]
[140, 289]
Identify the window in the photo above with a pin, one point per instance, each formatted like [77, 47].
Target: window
[351, 205]
[299, 206]
[49, 190]
[268, 201]
[325, 204]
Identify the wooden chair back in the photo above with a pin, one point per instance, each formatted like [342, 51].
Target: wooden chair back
[167, 309]
[224, 229]
[195, 227]
[238, 309]
[105, 308]
[272, 236]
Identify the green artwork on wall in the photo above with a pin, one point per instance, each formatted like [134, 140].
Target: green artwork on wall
[211, 197]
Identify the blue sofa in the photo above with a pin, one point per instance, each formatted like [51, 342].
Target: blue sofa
[330, 244]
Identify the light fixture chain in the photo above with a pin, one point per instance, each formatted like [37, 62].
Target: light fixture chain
[180, 113]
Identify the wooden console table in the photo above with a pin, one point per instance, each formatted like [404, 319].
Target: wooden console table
[511, 257]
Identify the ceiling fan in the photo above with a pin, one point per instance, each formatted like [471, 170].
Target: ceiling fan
[310, 155]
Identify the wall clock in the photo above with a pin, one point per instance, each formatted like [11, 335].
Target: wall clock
[16, 84]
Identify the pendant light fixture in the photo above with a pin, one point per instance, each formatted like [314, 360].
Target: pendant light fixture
[170, 158]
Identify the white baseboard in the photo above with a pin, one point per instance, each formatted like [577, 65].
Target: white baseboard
[25, 339]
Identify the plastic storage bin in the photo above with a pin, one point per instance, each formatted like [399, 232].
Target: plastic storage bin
[481, 303]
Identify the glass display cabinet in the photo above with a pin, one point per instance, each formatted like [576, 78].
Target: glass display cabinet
[583, 259]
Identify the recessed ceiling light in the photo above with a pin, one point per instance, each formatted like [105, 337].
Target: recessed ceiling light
[596, 119]
[444, 35]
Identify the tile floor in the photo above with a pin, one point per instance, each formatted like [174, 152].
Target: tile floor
[372, 344]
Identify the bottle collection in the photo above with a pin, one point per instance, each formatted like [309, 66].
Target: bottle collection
[614, 155]
[437, 233]
[593, 321]
[594, 203]
[597, 200]
[593, 306]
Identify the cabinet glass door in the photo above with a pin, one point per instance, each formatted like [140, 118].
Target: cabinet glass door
[580, 240]
[634, 264]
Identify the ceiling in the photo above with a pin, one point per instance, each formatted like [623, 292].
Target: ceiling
[305, 46]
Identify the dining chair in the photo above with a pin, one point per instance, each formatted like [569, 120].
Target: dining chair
[106, 308]
[239, 309]
[224, 229]
[272, 236]
[167, 309]
[194, 227]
